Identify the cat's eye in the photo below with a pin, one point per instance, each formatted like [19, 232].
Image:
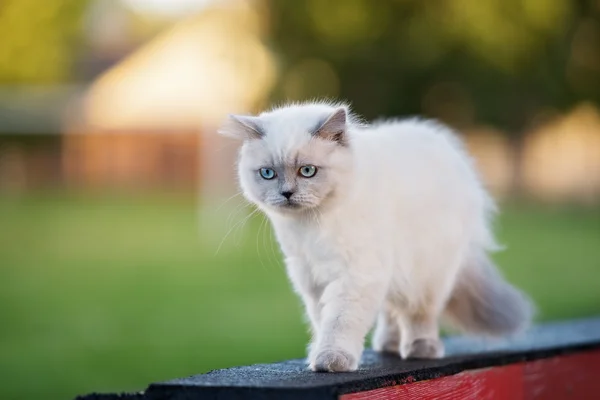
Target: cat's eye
[267, 173]
[308, 171]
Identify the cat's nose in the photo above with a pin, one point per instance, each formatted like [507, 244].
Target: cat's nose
[287, 194]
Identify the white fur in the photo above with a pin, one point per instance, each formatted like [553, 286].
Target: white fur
[399, 213]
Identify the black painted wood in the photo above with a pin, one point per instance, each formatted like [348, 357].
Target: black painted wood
[291, 379]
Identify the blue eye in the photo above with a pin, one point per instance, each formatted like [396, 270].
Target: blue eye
[267, 173]
[308, 171]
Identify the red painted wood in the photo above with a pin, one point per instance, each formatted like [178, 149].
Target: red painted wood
[575, 376]
[475, 385]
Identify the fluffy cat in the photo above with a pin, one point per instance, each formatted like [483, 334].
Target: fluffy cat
[385, 222]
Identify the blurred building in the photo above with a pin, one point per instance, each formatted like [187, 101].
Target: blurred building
[150, 120]
[154, 91]
[31, 124]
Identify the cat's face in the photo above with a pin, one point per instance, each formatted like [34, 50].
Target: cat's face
[303, 177]
[290, 167]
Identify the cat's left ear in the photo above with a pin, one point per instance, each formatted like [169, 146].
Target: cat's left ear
[242, 127]
[334, 127]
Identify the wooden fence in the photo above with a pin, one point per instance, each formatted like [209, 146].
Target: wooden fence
[559, 360]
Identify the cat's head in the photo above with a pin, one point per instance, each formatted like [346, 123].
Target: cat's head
[294, 158]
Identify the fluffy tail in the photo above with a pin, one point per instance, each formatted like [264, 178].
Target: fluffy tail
[483, 302]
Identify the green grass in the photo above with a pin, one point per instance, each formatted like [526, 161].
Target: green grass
[111, 293]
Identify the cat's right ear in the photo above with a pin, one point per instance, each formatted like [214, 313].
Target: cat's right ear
[242, 127]
[334, 127]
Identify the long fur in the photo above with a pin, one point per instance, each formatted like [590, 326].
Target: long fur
[394, 226]
[482, 302]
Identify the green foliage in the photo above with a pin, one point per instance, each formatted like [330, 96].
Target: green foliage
[37, 39]
[109, 294]
[496, 61]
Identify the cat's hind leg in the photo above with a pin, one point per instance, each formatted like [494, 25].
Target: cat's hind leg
[386, 337]
[420, 336]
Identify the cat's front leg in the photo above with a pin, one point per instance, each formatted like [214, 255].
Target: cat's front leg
[348, 310]
[299, 273]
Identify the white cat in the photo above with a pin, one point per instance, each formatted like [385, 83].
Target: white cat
[387, 221]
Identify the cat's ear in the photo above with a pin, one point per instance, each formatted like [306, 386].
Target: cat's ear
[242, 127]
[334, 127]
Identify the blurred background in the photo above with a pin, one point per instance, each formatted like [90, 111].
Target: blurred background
[125, 255]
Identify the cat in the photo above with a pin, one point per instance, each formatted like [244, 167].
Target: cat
[384, 223]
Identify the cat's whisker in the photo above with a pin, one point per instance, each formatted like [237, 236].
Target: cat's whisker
[318, 216]
[240, 229]
[261, 232]
[239, 208]
[228, 200]
[315, 212]
[232, 228]
[273, 251]
[274, 260]
[261, 235]
[265, 239]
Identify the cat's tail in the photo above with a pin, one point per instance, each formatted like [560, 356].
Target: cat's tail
[483, 302]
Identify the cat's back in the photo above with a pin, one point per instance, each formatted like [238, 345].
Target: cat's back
[408, 136]
[415, 164]
[421, 146]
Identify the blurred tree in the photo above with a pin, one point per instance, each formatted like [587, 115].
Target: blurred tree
[36, 39]
[499, 62]
[494, 61]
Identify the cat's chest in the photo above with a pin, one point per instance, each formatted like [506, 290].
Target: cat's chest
[312, 243]
[323, 255]
[321, 246]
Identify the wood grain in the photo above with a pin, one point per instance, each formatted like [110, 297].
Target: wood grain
[575, 376]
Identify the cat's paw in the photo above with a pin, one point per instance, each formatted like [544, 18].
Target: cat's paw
[334, 360]
[423, 348]
[386, 344]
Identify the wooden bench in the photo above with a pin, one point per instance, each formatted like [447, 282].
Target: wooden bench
[559, 360]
